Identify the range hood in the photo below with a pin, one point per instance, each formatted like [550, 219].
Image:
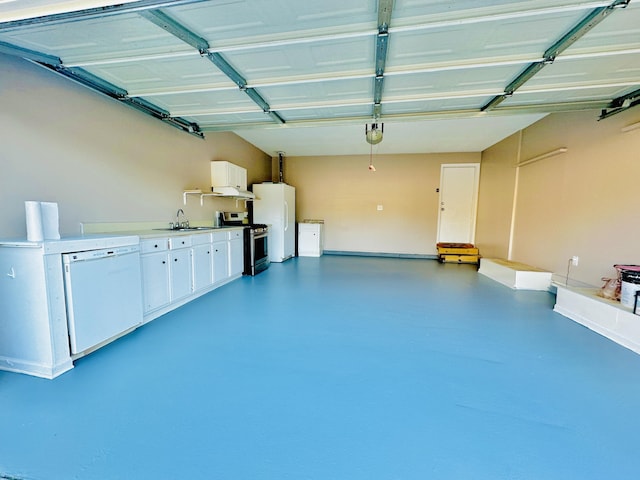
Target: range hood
[232, 192]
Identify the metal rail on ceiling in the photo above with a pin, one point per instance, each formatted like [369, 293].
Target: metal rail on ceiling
[418, 116]
[596, 16]
[385, 8]
[150, 10]
[95, 12]
[175, 28]
[621, 104]
[100, 85]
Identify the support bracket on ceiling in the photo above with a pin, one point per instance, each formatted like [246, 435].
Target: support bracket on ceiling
[168, 24]
[592, 19]
[385, 8]
[621, 104]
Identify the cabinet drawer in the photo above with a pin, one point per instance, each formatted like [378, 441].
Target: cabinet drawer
[154, 245]
[201, 239]
[309, 227]
[233, 234]
[220, 236]
[181, 241]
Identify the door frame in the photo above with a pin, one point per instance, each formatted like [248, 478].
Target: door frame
[476, 186]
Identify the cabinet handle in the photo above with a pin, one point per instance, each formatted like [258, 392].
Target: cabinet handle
[164, 262]
[175, 259]
[155, 246]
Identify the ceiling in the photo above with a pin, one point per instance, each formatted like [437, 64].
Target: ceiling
[305, 77]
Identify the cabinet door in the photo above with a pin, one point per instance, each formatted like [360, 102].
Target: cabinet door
[241, 177]
[236, 256]
[225, 174]
[309, 240]
[220, 174]
[202, 259]
[220, 261]
[155, 280]
[180, 268]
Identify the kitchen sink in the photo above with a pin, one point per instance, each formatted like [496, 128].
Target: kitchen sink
[186, 229]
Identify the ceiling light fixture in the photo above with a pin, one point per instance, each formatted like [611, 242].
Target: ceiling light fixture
[373, 133]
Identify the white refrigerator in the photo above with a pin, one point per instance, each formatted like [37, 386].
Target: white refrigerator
[275, 205]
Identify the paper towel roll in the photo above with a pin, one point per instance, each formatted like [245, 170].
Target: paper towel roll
[50, 220]
[33, 212]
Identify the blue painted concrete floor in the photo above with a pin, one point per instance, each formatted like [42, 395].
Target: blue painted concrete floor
[337, 368]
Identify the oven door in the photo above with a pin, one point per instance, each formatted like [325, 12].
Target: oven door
[260, 252]
[256, 255]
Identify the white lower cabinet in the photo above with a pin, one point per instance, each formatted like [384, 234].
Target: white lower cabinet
[33, 323]
[156, 285]
[155, 280]
[178, 268]
[310, 239]
[166, 271]
[220, 261]
[202, 264]
[236, 253]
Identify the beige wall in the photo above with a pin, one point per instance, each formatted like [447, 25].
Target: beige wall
[496, 197]
[345, 194]
[100, 160]
[583, 202]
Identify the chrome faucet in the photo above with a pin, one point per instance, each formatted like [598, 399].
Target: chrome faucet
[185, 223]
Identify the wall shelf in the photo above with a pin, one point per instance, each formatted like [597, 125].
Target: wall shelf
[219, 195]
[197, 191]
[186, 193]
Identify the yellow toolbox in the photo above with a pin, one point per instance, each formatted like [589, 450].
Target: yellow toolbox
[458, 251]
[459, 258]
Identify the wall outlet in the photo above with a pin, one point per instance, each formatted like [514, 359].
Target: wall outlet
[380, 208]
[574, 260]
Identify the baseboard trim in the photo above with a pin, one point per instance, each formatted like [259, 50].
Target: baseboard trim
[380, 254]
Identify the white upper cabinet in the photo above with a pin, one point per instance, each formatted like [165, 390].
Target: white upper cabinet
[226, 174]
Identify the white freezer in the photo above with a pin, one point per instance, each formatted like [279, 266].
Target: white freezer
[275, 205]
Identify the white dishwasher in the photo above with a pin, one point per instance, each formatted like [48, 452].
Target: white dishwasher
[103, 291]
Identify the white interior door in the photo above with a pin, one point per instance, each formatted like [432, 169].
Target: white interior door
[458, 202]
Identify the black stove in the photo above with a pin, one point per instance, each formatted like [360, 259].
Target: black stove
[256, 246]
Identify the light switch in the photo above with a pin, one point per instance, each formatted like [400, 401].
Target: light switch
[380, 208]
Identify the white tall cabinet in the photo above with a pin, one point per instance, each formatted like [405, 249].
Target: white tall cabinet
[275, 205]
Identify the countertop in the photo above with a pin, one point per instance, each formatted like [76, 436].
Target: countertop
[95, 239]
[161, 232]
[150, 229]
[74, 243]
